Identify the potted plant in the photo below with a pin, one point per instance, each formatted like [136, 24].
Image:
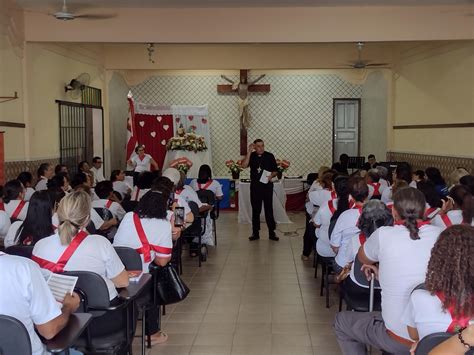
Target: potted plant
[182, 164]
[235, 167]
[282, 166]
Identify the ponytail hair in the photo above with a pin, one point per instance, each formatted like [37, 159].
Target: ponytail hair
[74, 214]
[463, 198]
[341, 185]
[410, 205]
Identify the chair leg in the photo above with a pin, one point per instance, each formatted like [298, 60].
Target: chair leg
[323, 270]
[340, 299]
[199, 250]
[164, 310]
[326, 276]
[215, 231]
[143, 329]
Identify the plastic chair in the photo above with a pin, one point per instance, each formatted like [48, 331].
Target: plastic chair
[327, 270]
[112, 326]
[20, 250]
[207, 196]
[14, 338]
[427, 344]
[197, 229]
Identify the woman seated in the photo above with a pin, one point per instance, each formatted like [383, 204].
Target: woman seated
[397, 186]
[5, 222]
[144, 182]
[105, 192]
[374, 215]
[44, 173]
[37, 224]
[402, 172]
[205, 182]
[323, 217]
[458, 209]
[88, 252]
[346, 225]
[118, 180]
[456, 176]
[319, 197]
[445, 301]
[375, 187]
[149, 225]
[13, 199]
[26, 180]
[59, 182]
[434, 175]
[418, 175]
[433, 201]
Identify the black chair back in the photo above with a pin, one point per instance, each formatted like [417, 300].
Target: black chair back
[129, 205]
[207, 196]
[195, 228]
[14, 338]
[311, 178]
[130, 258]
[104, 213]
[427, 344]
[20, 250]
[360, 276]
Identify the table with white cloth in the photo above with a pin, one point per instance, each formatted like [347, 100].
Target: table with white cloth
[198, 159]
[279, 202]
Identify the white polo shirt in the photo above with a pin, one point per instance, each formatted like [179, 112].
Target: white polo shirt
[28, 193]
[157, 231]
[454, 216]
[142, 165]
[308, 205]
[387, 195]
[320, 197]
[344, 230]
[115, 208]
[94, 254]
[323, 218]
[214, 186]
[98, 175]
[425, 313]
[4, 224]
[11, 206]
[137, 193]
[371, 188]
[402, 266]
[25, 296]
[42, 184]
[188, 194]
[122, 187]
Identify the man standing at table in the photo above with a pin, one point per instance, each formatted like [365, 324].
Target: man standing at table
[263, 168]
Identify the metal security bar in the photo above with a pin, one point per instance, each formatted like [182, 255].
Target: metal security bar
[91, 96]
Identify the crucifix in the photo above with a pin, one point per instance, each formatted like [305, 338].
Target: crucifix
[242, 89]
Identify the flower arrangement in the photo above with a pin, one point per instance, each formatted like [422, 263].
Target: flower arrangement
[182, 164]
[282, 165]
[235, 167]
[187, 141]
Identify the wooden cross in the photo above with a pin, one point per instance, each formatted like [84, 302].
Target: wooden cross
[242, 88]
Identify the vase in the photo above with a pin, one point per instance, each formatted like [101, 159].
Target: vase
[279, 175]
[235, 175]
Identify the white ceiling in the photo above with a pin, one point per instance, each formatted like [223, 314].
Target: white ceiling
[230, 3]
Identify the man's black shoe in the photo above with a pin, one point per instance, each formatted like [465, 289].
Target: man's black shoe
[254, 237]
[274, 237]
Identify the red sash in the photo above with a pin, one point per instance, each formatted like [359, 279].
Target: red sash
[457, 322]
[362, 238]
[206, 185]
[446, 220]
[137, 194]
[108, 204]
[146, 248]
[332, 209]
[376, 186]
[333, 195]
[2, 206]
[64, 258]
[17, 210]
[359, 208]
[431, 210]
[390, 205]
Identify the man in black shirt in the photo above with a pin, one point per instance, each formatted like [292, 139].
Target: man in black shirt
[261, 163]
[371, 163]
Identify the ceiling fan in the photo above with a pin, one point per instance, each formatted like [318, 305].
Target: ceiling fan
[65, 15]
[362, 64]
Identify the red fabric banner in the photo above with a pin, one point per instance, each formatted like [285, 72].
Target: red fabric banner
[153, 131]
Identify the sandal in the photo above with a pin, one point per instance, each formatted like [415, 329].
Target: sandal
[159, 338]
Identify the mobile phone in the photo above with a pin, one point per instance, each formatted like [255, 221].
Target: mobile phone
[179, 216]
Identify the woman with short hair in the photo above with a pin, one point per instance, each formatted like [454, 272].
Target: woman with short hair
[13, 199]
[45, 172]
[459, 209]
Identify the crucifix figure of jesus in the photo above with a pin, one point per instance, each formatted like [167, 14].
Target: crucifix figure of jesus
[242, 89]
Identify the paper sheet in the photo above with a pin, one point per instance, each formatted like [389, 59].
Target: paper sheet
[265, 175]
[60, 285]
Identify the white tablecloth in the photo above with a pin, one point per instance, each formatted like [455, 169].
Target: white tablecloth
[198, 159]
[279, 201]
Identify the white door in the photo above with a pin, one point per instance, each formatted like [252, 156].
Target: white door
[346, 128]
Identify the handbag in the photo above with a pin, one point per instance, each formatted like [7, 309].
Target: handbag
[169, 286]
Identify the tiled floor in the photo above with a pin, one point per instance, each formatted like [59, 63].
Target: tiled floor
[251, 298]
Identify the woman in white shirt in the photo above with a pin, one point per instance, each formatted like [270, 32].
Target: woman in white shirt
[401, 172]
[149, 224]
[37, 224]
[45, 172]
[105, 192]
[118, 180]
[26, 180]
[403, 252]
[445, 302]
[433, 201]
[141, 161]
[13, 198]
[90, 252]
[205, 182]
[459, 209]
[323, 217]
[142, 185]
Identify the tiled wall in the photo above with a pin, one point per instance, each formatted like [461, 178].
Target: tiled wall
[446, 164]
[12, 169]
[294, 119]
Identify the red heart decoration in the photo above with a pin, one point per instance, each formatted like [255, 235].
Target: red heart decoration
[178, 119]
[204, 121]
[190, 118]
